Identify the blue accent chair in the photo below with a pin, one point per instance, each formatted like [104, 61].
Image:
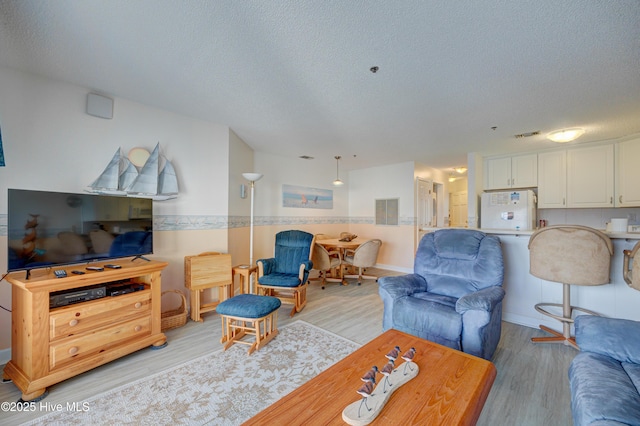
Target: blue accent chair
[286, 275]
[454, 296]
[605, 376]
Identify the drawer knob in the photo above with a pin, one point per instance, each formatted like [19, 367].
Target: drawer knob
[137, 305]
[73, 322]
[138, 328]
[73, 350]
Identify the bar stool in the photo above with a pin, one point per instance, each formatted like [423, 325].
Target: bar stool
[630, 263]
[571, 255]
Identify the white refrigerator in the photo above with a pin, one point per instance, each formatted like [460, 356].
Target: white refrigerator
[508, 210]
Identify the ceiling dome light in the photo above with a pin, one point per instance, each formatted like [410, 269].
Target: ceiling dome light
[565, 135]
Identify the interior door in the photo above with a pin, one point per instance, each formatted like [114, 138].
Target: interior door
[426, 214]
[458, 209]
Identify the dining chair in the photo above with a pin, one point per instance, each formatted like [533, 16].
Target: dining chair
[365, 256]
[326, 262]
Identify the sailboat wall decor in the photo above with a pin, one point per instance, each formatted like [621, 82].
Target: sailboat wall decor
[156, 179]
[115, 177]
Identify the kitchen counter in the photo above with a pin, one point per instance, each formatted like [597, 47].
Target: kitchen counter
[612, 235]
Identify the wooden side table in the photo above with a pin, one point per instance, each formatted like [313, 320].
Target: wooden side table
[244, 272]
[207, 270]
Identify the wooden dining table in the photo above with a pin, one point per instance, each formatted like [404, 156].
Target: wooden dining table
[341, 246]
[330, 243]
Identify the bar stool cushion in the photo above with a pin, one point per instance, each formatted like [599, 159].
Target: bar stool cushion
[248, 306]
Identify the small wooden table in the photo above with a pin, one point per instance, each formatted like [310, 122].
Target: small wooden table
[450, 389]
[204, 271]
[245, 272]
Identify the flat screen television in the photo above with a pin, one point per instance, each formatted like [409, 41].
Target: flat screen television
[49, 229]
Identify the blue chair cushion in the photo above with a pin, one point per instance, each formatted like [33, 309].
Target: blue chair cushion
[280, 280]
[248, 306]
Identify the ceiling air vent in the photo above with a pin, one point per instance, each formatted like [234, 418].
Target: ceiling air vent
[526, 135]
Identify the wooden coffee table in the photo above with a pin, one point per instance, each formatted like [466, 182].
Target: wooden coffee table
[450, 389]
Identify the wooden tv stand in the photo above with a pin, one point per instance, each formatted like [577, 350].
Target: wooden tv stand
[52, 345]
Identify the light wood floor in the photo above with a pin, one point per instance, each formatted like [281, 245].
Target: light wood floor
[531, 387]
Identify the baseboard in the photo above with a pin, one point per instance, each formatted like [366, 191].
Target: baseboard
[394, 268]
[530, 321]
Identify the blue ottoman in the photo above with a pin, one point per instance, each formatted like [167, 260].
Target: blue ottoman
[249, 314]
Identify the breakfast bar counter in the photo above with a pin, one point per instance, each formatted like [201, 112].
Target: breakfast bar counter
[523, 290]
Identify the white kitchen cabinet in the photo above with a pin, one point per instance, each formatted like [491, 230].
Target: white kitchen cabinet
[519, 171]
[590, 177]
[627, 174]
[552, 180]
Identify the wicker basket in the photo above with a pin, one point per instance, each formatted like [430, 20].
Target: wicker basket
[176, 317]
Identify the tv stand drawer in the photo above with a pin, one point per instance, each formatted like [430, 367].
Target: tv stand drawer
[82, 317]
[78, 347]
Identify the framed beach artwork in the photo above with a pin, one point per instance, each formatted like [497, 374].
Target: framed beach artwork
[306, 198]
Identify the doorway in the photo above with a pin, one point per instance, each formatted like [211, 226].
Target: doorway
[458, 209]
[426, 207]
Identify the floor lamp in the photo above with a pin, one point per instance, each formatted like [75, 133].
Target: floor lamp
[251, 177]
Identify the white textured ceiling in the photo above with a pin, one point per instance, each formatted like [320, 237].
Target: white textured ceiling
[292, 77]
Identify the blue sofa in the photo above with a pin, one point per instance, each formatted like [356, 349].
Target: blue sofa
[605, 375]
[454, 296]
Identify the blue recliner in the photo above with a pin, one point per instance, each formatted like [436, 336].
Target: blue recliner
[286, 275]
[454, 297]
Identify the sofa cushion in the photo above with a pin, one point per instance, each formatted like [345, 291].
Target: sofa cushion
[601, 390]
[609, 336]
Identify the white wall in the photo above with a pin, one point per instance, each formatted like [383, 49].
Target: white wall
[240, 161]
[290, 170]
[50, 143]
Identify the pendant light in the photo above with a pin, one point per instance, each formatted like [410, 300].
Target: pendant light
[338, 182]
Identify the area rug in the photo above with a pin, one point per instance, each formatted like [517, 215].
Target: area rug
[222, 388]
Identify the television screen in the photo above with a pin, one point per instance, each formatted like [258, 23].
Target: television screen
[55, 228]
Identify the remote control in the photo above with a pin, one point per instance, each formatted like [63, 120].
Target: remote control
[95, 268]
[60, 273]
[77, 272]
[112, 266]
